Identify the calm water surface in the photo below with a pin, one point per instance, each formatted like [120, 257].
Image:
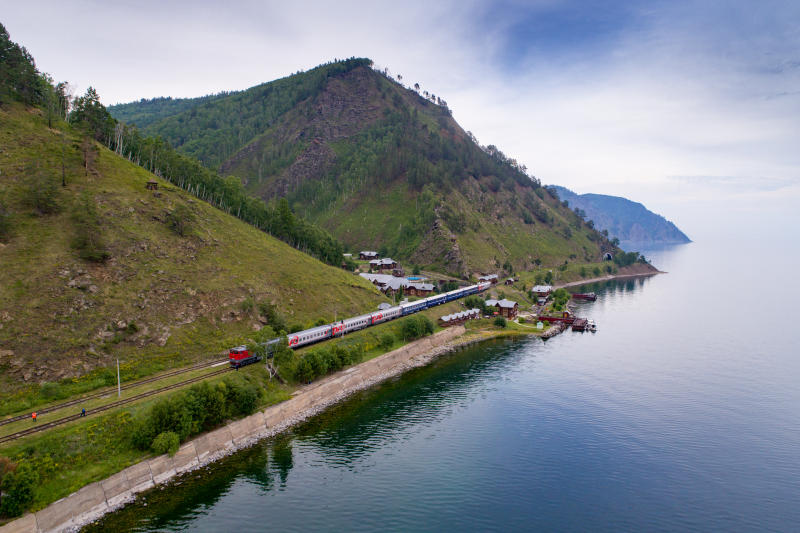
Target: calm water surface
[681, 413]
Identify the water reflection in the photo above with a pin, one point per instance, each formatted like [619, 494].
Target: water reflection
[346, 433]
[613, 286]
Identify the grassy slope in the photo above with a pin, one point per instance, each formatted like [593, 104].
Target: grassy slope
[186, 291]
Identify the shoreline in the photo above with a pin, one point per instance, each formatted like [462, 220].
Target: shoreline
[93, 501]
[608, 277]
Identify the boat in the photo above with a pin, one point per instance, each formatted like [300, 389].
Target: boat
[590, 296]
[591, 325]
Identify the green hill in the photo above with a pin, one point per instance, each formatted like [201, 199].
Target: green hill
[630, 222]
[379, 166]
[147, 294]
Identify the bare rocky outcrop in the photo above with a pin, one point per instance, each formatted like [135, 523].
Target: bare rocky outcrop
[440, 245]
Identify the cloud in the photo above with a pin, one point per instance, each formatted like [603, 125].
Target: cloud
[739, 183]
[619, 98]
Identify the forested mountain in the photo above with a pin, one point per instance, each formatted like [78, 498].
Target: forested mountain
[630, 222]
[379, 165]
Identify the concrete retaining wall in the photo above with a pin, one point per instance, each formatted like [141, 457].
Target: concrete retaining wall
[96, 499]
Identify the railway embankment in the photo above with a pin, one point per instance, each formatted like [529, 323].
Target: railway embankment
[96, 499]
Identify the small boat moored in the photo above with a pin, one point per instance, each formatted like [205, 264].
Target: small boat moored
[591, 326]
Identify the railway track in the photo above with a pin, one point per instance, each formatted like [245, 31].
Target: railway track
[127, 386]
[70, 418]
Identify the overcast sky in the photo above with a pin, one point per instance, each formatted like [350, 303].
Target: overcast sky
[685, 106]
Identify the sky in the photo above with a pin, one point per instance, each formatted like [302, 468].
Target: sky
[691, 107]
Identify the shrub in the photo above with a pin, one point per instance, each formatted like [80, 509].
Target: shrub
[303, 371]
[500, 322]
[50, 391]
[416, 326]
[274, 318]
[88, 240]
[386, 341]
[42, 194]
[166, 442]
[169, 414]
[202, 407]
[475, 302]
[180, 220]
[5, 223]
[17, 488]
[247, 305]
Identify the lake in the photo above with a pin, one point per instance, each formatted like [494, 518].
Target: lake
[681, 413]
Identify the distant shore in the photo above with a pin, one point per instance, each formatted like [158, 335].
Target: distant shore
[632, 271]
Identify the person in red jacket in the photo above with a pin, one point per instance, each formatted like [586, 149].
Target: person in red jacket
[33, 416]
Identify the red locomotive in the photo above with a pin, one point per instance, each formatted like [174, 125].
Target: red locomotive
[240, 356]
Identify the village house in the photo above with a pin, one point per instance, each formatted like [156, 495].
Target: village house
[542, 291]
[364, 256]
[509, 281]
[506, 308]
[386, 263]
[398, 272]
[386, 282]
[459, 318]
[391, 285]
[491, 277]
[419, 289]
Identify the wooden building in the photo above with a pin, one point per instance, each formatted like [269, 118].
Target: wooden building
[419, 289]
[386, 263]
[459, 318]
[506, 308]
[542, 291]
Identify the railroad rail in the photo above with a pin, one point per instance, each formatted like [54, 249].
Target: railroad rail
[107, 392]
[47, 425]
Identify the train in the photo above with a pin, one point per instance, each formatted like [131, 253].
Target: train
[241, 356]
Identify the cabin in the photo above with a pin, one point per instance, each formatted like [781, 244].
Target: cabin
[506, 308]
[509, 281]
[542, 291]
[151, 185]
[491, 278]
[459, 318]
[386, 263]
[366, 256]
[398, 272]
[419, 289]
